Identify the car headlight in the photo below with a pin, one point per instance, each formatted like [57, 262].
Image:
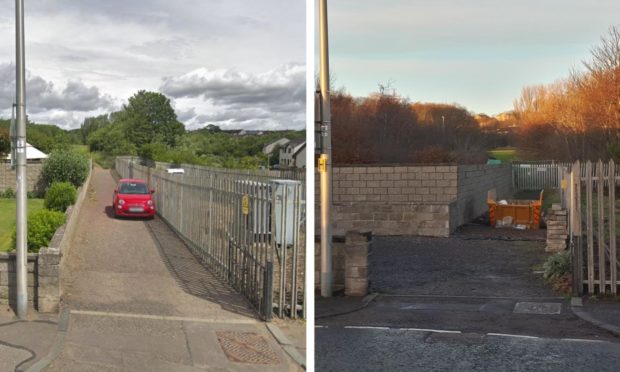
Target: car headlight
[121, 202]
[150, 203]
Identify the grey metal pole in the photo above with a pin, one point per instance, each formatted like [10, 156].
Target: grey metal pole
[325, 159]
[21, 225]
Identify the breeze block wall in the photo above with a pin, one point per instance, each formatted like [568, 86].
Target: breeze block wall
[429, 200]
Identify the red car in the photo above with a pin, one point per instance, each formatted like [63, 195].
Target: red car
[132, 198]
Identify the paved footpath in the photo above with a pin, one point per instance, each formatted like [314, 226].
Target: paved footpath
[135, 299]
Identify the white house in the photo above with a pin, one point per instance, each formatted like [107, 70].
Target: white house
[32, 154]
[293, 154]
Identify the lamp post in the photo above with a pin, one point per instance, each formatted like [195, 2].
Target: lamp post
[325, 161]
[20, 164]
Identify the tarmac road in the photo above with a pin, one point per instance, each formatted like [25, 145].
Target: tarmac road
[452, 304]
[351, 349]
[139, 300]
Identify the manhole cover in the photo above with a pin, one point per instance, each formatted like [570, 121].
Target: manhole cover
[537, 308]
[247, 347]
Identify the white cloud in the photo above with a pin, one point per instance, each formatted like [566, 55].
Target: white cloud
[120, 47]
[272, 99]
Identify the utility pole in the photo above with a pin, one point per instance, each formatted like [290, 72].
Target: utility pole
[325, 159]
[20, 146]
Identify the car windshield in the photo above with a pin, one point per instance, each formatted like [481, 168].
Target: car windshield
[133, 188]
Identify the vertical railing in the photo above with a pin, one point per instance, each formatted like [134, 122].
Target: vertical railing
[245, 227]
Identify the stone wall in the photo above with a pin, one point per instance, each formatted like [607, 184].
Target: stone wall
[8, 294]
[557, 229]
[7, 176]
[430, 200]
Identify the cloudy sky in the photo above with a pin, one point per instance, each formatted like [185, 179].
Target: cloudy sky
[233, 63]
[478, 53]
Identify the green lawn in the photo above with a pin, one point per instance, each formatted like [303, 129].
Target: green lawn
[505, 154]
[7, 219]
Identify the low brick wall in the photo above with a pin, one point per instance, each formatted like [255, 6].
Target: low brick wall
[44, 267]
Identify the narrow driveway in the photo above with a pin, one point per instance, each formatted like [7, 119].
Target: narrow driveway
[139, 300]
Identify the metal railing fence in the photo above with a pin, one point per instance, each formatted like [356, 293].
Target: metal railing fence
[245, 226]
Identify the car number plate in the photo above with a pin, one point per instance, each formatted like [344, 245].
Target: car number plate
[136, 209]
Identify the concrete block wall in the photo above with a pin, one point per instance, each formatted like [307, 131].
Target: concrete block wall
[7, 176]
[474, 182]
[430, 200]
[356, 250]
[338, 264]
[392, 219]
[434, 184]
[349, 263]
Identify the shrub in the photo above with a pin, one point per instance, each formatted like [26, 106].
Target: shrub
[557, 265]
[65, 166]
[59, 196]
[42, 225]
[8, 194]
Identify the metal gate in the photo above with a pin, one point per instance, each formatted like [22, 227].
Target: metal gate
[245, 227]
[537, 175]
[592, 200]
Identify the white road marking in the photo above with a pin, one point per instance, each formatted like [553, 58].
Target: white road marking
[402, 329]
[509, 335]
[428, 330]
[580, 340]
[367, 327]
[161, 317]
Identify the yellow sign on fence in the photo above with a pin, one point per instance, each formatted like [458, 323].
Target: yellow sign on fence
[245, 205]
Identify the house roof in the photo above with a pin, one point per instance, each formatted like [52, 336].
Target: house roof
[268, 149]
[32, 153]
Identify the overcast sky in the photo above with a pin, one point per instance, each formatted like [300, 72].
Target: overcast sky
[233, 63]
[477, 53]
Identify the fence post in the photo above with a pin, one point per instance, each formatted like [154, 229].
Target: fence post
[268, 291]
[575, 228]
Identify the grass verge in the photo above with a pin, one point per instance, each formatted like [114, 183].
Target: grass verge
[7, 219]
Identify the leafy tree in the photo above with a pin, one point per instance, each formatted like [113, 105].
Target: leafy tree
[149, 117]
[92, 124]
[5, 142]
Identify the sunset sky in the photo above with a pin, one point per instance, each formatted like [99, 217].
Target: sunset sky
[477, 53]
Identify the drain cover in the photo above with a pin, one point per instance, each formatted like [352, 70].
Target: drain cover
[247, 347]
[537, 308]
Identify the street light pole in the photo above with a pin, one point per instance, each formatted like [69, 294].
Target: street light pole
[325, 159]
[20, 146]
